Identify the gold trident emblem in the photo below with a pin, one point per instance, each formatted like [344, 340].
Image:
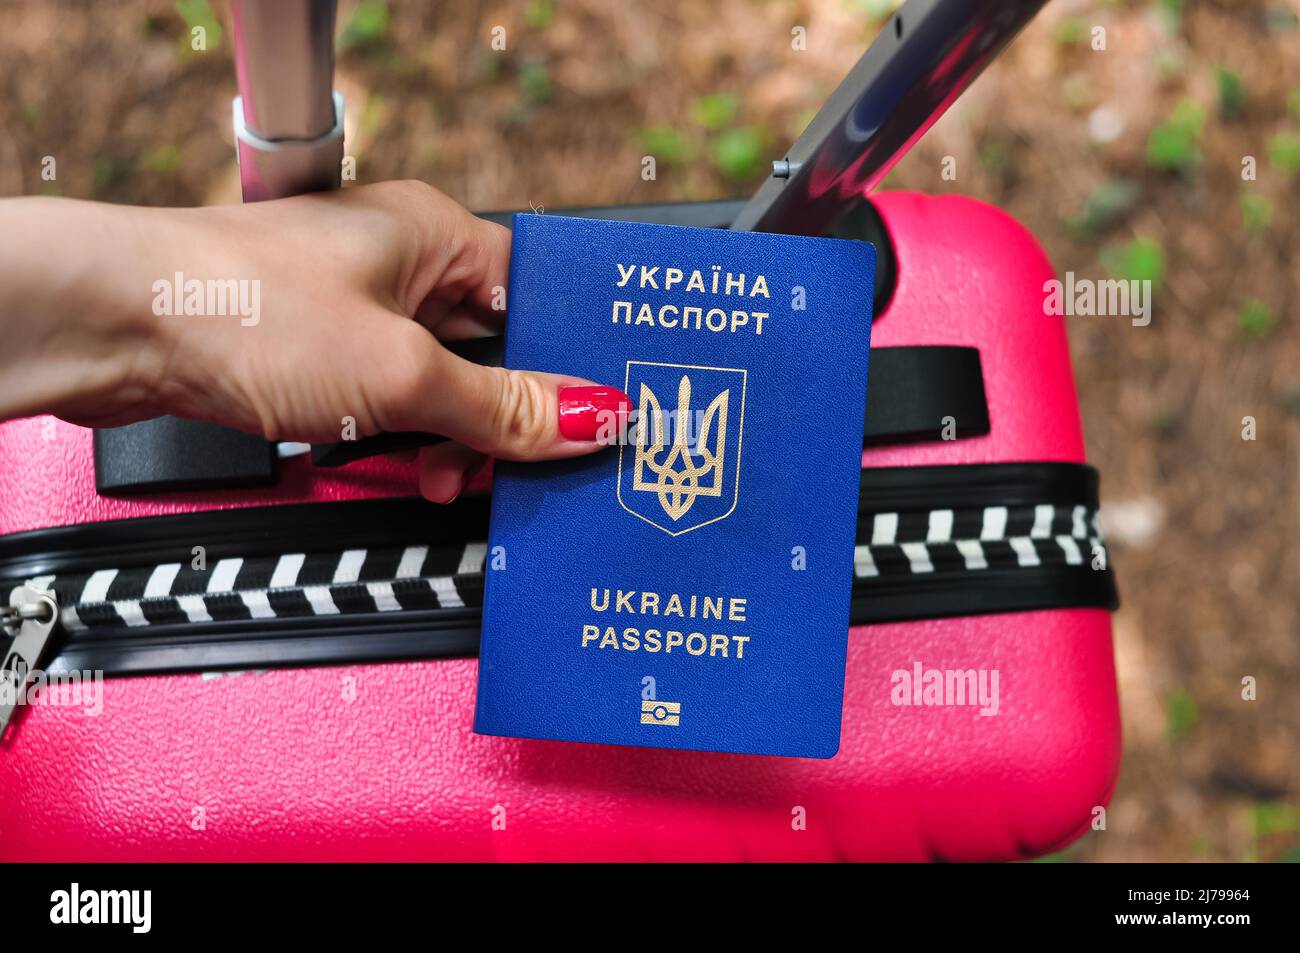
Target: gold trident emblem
[679, 475]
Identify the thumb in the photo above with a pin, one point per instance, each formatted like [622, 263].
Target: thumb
[521, 415]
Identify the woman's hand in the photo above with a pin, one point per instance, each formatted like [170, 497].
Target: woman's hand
[335, 306]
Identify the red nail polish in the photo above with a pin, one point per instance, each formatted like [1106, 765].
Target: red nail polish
[586, 411]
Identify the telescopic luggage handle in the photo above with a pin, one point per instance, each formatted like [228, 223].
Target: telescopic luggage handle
[930, 51]
[288, 119]
[288, 124]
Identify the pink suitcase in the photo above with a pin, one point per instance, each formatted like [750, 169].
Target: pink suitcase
[377, 760]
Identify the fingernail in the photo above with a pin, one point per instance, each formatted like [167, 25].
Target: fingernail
[586, 409]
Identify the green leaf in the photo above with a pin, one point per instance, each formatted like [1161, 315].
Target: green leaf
[1139, 260]
[1255, 319]
[1071, 31]
[1171, 13]
[1106, 204]
[1292, 402]
[877, 10]
[1293, 103]
[1256, 211]
[163, 159]
[199, 13]
[1284, 152]
[1181, 714]
[714, 110]
[664, 143]
[997, 154]
[1170, 148]
[538, 14]
[1278, 19]
[1174, 145]
[1232, 93]
[738, 153]
[1190, 115]
[1275, 817]
[367, 27]
[1076, 92]
[487, 66]
[109, 172]
[373, 111]
[534, 83]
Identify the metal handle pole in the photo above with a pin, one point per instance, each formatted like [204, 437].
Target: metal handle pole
[927, 54]
[288, 120]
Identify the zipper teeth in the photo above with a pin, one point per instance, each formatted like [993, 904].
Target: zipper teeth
[896, 551]
[898, 554]
[322, 604]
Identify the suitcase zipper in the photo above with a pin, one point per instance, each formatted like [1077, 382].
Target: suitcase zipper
[31, 618]
[380, 580]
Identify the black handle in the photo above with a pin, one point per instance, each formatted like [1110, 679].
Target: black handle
[911, 393]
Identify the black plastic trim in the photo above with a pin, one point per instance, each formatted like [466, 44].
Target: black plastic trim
[247, 531]
[977, 484]
[276, 642]
[168, 454]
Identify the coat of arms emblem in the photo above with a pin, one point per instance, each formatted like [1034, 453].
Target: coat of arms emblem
[681, 468]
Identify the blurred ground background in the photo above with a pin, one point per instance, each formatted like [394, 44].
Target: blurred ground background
[1125, 162]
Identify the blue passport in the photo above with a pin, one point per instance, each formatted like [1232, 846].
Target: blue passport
[690, 587]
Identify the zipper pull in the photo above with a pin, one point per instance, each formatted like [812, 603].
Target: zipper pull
[30, 618]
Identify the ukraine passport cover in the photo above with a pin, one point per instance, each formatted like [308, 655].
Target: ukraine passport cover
[690, 587]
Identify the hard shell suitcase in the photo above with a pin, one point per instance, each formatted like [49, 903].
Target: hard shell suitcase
[343, 614]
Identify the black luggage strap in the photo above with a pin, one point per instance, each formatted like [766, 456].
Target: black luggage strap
[372, 580]
[914, 394]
